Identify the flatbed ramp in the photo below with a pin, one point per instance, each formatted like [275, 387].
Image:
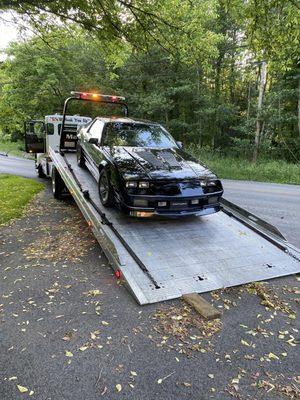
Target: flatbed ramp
[163, 259]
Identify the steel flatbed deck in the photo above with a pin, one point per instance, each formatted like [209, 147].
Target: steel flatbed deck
[163, 259]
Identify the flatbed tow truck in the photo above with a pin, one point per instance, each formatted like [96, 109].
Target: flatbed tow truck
[162, 259]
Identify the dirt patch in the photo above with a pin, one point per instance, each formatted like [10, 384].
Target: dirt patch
[66, 240]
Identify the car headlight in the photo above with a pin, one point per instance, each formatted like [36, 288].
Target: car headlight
[131, 184]
[143, 185]
[208, 183]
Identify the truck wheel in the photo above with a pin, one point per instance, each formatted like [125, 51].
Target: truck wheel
[40, 172]
[106, 192]
[80, 157]
[58, 184]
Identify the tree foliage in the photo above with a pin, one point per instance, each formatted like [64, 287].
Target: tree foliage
[194, 66]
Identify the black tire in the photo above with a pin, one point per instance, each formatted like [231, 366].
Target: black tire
[40, 172]
[58, 184]
[106, 192]
[80, 157]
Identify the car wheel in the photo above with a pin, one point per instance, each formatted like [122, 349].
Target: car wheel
[106, 192]
[80, 157]
[58, 184]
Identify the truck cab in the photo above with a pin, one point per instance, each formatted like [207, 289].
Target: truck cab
[40, 135]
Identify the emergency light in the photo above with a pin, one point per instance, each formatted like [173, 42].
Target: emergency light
[98, 97]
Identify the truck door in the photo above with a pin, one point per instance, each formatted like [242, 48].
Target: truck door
[35, 136]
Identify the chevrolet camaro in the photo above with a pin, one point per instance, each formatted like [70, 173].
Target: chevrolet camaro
[140, 168]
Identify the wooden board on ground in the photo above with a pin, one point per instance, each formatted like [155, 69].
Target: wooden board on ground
[202, 306]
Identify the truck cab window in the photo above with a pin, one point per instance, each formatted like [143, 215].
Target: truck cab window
[50, 129]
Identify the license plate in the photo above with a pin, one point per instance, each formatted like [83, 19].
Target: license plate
[70, 144]
[179, 203]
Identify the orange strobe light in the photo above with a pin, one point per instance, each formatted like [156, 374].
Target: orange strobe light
[98, 96]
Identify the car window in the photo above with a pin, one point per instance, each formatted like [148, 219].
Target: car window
[137, 135]
[96, 129]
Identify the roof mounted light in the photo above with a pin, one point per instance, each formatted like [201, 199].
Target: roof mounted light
[98, 97]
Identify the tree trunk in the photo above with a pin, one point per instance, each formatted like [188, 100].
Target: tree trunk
[259, 121]
[248, 101]
[299, 107]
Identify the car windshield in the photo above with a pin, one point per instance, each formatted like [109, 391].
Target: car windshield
[137, 135]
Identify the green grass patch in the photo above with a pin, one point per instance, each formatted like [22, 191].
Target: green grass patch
[15, 193]
[12, 148]
[263, 171]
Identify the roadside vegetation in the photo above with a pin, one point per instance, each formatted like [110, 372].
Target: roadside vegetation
[12, 148]
[15, 193]
[264, 170]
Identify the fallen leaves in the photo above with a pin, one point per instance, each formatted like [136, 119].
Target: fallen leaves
[118, 387]
[269, 298]
[84, 347]
[183, 330]
[62, 244]
[68, 336]
[94, 292]
[68, 353]
[245, 343]
[273, 356]
[280, 384]
[22, 389]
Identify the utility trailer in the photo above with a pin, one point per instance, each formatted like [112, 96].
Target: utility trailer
[162, 259]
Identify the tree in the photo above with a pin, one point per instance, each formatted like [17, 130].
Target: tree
[40, 73]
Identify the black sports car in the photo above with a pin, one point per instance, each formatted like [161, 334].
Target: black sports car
[143, 170]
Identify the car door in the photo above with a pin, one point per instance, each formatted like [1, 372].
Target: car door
[92, 151]
[35, 136]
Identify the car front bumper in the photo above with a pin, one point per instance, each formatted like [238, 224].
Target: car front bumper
[176, 206]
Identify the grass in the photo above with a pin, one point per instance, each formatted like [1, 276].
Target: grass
[12, 148]
[15, 193]
[263, 171]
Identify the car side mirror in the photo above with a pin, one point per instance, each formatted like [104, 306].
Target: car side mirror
[93, 140]
[180, 144]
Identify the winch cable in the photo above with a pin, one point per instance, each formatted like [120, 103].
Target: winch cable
[105, 221]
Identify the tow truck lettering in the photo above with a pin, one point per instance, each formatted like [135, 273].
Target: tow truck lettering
[69, 136]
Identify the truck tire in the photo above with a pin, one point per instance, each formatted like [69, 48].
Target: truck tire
[58, 184]
[106, 192]
[40, 172]
[80, 157]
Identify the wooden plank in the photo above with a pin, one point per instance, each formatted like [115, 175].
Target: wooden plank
[202, 306]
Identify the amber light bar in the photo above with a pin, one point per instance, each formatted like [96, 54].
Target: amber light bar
[98, 97]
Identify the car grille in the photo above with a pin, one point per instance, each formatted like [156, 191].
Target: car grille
[172, 188]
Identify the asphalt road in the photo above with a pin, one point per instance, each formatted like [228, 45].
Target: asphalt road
[279, 204]
[70, 331]
[17, 166]
[276, 203]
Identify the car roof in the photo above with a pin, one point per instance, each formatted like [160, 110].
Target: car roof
[126, 119]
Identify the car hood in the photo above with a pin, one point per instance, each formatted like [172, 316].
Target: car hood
[149, 163]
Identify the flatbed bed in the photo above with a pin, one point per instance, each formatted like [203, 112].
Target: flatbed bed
[162, 259]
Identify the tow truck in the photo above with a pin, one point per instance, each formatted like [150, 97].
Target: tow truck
[41, 135]
[162, 259]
